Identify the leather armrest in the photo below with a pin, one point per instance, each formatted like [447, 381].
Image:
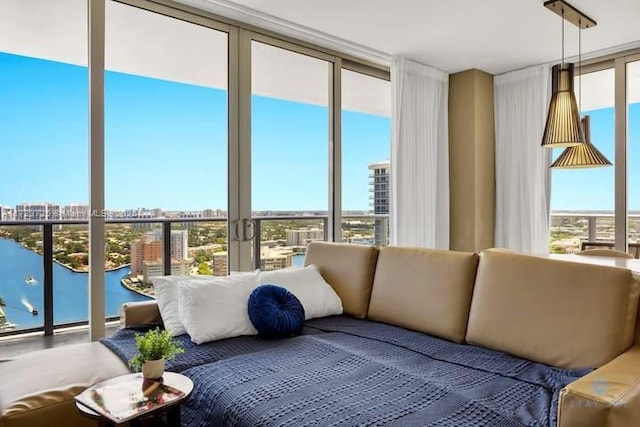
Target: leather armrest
[139, 313]
[606, 397]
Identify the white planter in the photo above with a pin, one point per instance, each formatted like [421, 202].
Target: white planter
[153, 369]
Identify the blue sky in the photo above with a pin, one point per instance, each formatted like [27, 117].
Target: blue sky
[166, 143]
[166, 146]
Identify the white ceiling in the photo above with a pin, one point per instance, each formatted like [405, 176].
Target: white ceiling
[148, 44]
[454, 35]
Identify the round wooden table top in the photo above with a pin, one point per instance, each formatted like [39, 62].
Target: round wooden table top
[171, 379]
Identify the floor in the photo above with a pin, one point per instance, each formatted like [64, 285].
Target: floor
[15, 345]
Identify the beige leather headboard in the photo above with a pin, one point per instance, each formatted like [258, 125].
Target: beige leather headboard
[348, 269]
[425, 290]
[570, 315]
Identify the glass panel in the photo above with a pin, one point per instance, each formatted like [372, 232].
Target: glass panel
[43, 129]
[290, 162]
[22, 273]
[582, 200]
[366, 143]
[633, 155]
[166, 144]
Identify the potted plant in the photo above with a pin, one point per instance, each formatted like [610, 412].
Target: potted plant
[154, 348]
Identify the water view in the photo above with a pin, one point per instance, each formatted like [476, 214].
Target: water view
[70, 298]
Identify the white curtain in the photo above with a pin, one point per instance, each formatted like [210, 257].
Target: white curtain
[419, 156]
[523, 179]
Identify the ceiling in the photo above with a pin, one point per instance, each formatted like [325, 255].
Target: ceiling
[455, 35]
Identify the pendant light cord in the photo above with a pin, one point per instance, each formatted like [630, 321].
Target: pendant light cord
[562, 62]
[580, 65]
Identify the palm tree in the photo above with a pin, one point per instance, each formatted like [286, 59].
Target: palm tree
[2, 303]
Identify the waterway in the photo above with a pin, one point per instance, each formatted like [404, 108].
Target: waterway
[70, 293]
[70, 297]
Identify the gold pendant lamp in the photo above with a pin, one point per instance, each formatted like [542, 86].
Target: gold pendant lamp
[583, 155]
[563, 127]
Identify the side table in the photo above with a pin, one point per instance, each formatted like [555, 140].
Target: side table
[146, 416]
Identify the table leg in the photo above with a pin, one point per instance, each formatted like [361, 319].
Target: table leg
[173, 417]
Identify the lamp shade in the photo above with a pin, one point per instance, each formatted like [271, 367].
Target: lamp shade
[582, 156]
[563, 128]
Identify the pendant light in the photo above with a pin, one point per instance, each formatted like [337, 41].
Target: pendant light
[583, 155]
[563, 127]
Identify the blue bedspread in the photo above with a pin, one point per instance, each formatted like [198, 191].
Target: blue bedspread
[347, 372]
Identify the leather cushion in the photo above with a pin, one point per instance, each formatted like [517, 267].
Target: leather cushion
[39, 387]
[425, 290]
[565, 314]
[348, 269]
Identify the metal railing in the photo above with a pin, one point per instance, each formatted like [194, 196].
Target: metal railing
[593, 230]
[380, 227]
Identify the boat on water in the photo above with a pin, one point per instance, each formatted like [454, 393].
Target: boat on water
[30, 280]
[34, 311]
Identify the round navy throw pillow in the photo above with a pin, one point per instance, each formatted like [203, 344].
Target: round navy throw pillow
[275, 312]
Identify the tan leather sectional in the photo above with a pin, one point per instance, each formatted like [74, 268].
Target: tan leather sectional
[560, 313]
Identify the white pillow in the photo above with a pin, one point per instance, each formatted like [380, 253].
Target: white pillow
[316, 296]
[166, 288]
[216, 309]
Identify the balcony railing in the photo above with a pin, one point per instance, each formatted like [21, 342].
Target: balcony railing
[374, 227]
[575, 231]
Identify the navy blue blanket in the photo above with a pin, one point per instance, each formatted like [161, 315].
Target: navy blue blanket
[347, 372]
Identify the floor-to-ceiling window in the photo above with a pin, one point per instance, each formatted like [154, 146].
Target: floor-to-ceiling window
[289, 153]
[633, 155]
[582, 199]
[43, 133]
[222, 151]
[600, 207]
[366, 167]
[165, 148]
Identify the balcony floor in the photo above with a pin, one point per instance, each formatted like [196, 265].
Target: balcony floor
[15, 345]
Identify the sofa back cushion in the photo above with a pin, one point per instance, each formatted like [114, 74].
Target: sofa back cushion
[565, 314]
[425, 290]
[348, 269]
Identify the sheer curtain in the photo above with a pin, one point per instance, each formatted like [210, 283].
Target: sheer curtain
[419, 156]
[523, 179]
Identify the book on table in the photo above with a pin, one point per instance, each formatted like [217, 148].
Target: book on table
[124, 400]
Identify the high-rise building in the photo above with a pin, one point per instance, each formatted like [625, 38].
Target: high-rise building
[7, 213]
[38, 211]
[179, 243]
[303, 237]
[379, 174]
[219, 262]
[75, 211]
[151, 269]
[150, 248]
[145, 250]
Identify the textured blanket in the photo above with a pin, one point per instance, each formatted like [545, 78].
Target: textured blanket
[347, 372]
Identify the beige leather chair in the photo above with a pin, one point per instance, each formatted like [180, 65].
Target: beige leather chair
[611, 253]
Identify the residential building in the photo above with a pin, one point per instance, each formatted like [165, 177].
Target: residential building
[220, 263]
[145, 250]
[38, 211]
[179, 243]
[7, 213]
[303, 237]
[151, 269]
[75, 211]
[379, 175]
